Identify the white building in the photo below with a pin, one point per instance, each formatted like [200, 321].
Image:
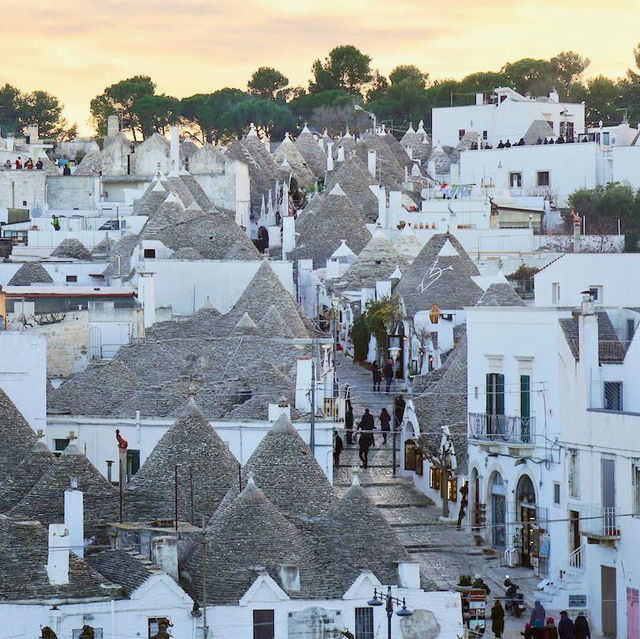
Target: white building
[506, 116]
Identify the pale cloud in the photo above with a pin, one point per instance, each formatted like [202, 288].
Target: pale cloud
[75, 49]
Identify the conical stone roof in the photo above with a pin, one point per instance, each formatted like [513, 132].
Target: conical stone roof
[24, 475]
[407, 244]
[250, 535]
[274, 325]
[311, 152]
[70, 247]
[45, 501]
[322, 229]
[440, 274]
[287, 151]
[246, 326]
[377, 261]
[500, 294]
[354, 179]
[16, 435]
[30, 273]
[288, 473]
[196, 449]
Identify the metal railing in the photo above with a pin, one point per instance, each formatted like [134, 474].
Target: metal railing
[600, 521]
[501, 428]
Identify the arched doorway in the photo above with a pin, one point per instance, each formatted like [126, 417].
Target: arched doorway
[498, 511]
[526, 514]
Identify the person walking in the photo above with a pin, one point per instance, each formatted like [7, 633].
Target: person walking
[497, 619]
[55, 222]
[348, 424]
[388, 374]
[385, 421]
[366, 438]
[338, 447]
[538, 612]
[398, 411]
[550, 629]
[377, 376]
[566, 628]
[581, 626]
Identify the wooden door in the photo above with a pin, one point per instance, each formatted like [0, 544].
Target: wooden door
[608, 598]
[633, 613]
[574, 530]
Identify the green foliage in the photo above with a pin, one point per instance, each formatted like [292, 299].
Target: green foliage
[464, 580]
[346, 67]
[268, 116]
[155, 113]
[381, 316]
[18, 109]
[523, 272]
[360, 336]
[268, 83]
[205, 111]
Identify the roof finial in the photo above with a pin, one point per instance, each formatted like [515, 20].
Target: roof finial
[355, 481]
[71, 436]
[193, 391]
[40, 433]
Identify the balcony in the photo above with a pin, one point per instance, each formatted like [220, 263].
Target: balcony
[501, 429]
[600, 525]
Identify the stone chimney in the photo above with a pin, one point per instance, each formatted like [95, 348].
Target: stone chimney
[146, 293]
[588, 348]
[340, 157]
[174, 152]
[330, 156]
[281, 407]
[371, 162]
[74, 517]
[58, 560]
[164, 553]
[113, 126]
[409, 574]
[33, 133]
[479, 99]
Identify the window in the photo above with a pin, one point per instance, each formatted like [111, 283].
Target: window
[461, 133]
[434, 478]
[364, 623]
[133, 462]
[515, 180]
[72, 278]
[631, 329]
[150, 253]
[596, 293]
[612, 399]
[525, 408]
[555, 293]
[484, 135]
[158, 625]
[59, 445]
[453, 489]
[573, 473]
[635, 486]
[566, 129]
[543, 178]
[556, 492]
[24, 203]
[409, 455]
[495, 394]
[263, 624]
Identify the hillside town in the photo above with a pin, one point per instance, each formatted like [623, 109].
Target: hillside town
[354, 380]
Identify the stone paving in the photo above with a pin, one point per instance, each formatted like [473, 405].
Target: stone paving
[444, 552]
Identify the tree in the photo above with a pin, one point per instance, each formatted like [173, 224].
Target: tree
[336, 119]
[529, 75]
[155, 113]
[205, 110]
[438, 448]
[269, 117]
[119, 98]
[379, 84]
[409, 73]
[268, 83]
[381, 316]
[11, 113]
[602, 97]
[346, 67]
[567, 68]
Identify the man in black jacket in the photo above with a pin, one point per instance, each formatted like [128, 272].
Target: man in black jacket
[366, 438]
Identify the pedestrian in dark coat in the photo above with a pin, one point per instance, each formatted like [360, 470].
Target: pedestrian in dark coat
[566, 629]
[537, 613]
[348, 424]
[497, 619]
[385, 421]
[550, 630]
[338, 447]
[366, 438]
[398, 412]
[377, 376]
[581, 626]
[388, 374]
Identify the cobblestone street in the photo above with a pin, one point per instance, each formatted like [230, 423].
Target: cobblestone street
[444, 552]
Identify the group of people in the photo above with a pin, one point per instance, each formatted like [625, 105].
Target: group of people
[377, 372]
[542, 627]
[29, 164]
[366, 426]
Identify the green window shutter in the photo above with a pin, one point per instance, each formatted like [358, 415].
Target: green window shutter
[499, 394]
[525, 396]
[490, 393]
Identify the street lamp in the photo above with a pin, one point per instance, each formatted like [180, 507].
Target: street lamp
[389, 601]
[357, 107]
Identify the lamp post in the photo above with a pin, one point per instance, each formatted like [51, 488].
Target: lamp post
[389, 601]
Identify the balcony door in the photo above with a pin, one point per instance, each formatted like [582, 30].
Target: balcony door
[608, 494]
[495, 402]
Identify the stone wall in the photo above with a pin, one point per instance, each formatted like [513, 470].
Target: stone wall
[73, 192]
[22, 189]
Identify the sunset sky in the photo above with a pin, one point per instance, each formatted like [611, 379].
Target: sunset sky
[75, 49]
